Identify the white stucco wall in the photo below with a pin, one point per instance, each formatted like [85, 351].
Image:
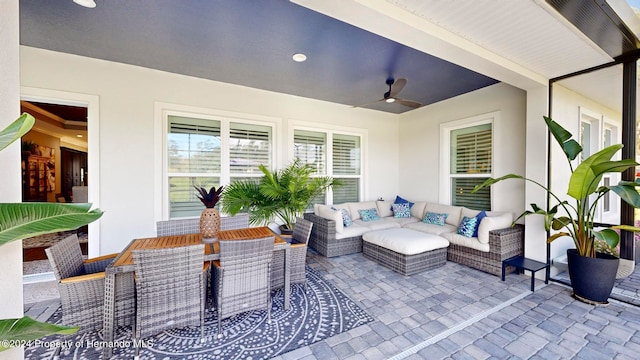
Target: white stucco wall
[128, 174]
[10, 189]
[420, 147]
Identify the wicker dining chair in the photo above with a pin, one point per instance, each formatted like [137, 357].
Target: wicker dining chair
[80, 283]
[192, 226]
[241, 278]
[170, 289]
[299, 241]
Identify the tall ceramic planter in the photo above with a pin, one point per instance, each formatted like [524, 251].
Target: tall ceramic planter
[210, 223]
[592, 279]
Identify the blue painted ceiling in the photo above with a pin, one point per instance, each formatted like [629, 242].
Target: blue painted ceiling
[247, 42]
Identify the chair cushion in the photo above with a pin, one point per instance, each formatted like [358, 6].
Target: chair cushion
[405, 241]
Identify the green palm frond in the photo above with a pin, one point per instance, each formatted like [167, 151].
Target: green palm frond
[16, 130]
[24, 220]
[25, 329]
[282, 194]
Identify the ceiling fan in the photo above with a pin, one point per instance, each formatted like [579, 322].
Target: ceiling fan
[395, 86]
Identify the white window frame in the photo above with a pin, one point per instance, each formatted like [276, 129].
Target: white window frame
[445, 159]
[330, 130]
[164, 110]
[613, 214]
[599, 124]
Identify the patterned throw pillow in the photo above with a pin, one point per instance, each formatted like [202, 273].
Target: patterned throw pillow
[467, 226]
[346, 218]
[401, 210]
[369, 214]
[481, 215]
[400, 200]
[435, 218]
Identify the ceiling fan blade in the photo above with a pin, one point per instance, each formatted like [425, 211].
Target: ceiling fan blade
[397, 86]
[409, 103]
[367, 104]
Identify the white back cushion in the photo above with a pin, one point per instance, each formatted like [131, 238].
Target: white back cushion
[493, 223]
[417, 210]
[328, 213]
[354, 207]
[453, 211]
[384, 208]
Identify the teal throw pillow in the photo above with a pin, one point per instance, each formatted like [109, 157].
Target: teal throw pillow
[435, 218]
[467, 226]
[369, 214]
[346, 218]
[401, 211]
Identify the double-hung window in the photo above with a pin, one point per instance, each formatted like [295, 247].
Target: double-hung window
[210, 152]
[249, 146]
[470, 159]
[346, 155]
[334, 154]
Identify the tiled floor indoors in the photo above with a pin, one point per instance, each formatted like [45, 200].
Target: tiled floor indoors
[455, 312]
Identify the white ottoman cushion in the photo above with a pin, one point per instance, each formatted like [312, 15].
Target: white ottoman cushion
[405, 241]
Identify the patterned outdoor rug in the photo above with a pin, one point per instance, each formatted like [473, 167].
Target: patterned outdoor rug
[323, 311]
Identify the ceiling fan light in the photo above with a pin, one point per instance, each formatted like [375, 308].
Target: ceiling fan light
[86, 3]
[390, 100]
[299, 57]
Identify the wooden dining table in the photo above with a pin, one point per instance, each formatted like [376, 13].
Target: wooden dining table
[119, 282]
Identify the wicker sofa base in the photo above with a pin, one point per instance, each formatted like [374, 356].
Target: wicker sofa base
[405, 264]
[324, 241]
[504, 244]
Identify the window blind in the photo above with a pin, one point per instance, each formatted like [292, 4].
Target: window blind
[310, 147]
[182, 198]
[471, 155]
[346, 154]
[249, 146]
[193, 145]
[471, 150]
[348, 192]
[462, 195]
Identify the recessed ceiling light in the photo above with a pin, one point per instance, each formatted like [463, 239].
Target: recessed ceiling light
[299, 57]
[79, 135]
[86, 3]
[390, 100]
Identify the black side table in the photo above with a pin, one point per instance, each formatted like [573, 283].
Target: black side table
[521, 264]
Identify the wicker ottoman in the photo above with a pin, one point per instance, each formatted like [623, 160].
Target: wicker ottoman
[404, 250]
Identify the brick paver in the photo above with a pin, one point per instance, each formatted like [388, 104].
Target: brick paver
[455, 312]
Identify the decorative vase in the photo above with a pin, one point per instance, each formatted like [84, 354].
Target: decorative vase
[209, 223]
[592, 279]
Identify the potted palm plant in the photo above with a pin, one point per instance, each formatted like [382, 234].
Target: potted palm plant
[281, 194]
[592, 273]
[23, 220]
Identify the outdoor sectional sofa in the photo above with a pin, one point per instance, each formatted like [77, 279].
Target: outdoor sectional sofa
[496, 239]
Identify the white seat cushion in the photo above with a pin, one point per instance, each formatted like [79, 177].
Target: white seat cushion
[470, 242]
[377, 224]
[401, 221]
[430, 228]
[405, 241]
[351, 231]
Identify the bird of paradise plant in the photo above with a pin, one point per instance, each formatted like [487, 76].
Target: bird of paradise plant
[577, 219]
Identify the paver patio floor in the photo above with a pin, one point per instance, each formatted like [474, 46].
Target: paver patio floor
[455, 312]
